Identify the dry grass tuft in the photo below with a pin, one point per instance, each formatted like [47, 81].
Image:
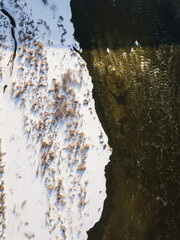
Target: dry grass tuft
[50, 187]
[29, 235]
[20, 55]
[82, 203]
[67, 79]
[86, 147]
[19, 92]
[81, 168]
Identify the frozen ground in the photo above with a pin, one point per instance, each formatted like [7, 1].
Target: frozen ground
[54, 149]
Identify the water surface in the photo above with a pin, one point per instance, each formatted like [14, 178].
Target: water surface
[136, 89]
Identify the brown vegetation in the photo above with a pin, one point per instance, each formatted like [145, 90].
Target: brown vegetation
[81, 168]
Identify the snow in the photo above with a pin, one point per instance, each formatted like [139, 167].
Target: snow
[56, 149]
[136, 43]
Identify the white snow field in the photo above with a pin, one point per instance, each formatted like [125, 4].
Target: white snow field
[53, 148]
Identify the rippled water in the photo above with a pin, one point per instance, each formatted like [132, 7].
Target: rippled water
[136, 89]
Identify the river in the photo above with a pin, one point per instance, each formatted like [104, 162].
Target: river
[132, 52]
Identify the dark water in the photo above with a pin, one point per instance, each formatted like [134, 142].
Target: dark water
[137, 95]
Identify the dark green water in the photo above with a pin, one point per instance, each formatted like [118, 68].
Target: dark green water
[137, 95]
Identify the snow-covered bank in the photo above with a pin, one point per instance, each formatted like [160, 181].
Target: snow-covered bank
[56, 149]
